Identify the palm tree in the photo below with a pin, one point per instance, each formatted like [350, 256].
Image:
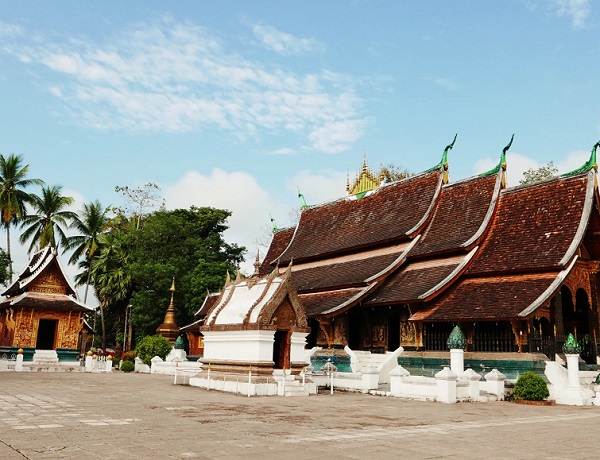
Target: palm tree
[110, 273]
[45, 225]
[87, 244]
[13, 181]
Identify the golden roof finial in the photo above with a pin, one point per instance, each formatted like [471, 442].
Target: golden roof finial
[256, 264]
[365, 179]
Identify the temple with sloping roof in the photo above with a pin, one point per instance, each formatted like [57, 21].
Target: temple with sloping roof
[41, 310]
[400, 263]
[256, 323]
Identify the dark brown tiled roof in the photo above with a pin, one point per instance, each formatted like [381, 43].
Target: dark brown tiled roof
[408, 285]
[41, 262]
[317, 303]
[280, 241]
[533, 228]
[193, 327]
[459, 214]
[43, 300]
[341, 274]
[386, 215]
[209, 302]
[483, 299]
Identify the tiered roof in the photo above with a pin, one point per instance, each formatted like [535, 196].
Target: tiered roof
[42, 283]
[468, 250]
[395, 212]
[531, 248]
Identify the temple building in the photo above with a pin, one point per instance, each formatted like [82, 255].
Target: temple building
[256, 323]
[41, 311]
[400, 263]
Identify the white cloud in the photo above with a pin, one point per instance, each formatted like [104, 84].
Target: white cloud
[283, 151]
[282, 42]
[446, 83]
[336, 136]
[516, 164]
[318, 187]
[238, 192]
[576, 10]
[572, 161]
[169, 76]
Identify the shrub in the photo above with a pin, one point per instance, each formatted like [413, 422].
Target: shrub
[531, 387]
[127, 366]
[128, 356]
[151, 346]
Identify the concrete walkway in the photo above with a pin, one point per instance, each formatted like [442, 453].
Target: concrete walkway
[136, 416]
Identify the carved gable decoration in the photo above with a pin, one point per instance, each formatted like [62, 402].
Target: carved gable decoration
[267, 303]
[50, 281]
[44, 275]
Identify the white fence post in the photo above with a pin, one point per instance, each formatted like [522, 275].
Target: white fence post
[19, 363]
[446, 385]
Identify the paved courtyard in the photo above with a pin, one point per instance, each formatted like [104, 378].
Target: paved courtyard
[136, 416]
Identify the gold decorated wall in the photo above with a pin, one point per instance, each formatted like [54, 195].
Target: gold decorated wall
[19, 327]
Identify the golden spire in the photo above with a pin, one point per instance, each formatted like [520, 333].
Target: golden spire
[169, 328]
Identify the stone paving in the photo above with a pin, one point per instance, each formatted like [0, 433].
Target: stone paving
[138, 416]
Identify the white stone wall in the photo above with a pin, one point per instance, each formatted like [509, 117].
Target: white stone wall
[248, 346]
[298, 352]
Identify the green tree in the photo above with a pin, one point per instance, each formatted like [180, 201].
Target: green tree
[392, 173]
[44, 227]
[140, 201]
[187, 245]
[13, 197]
[110, 274]
[152, 345]
[4, 267]
[86, 244]
[532, 175]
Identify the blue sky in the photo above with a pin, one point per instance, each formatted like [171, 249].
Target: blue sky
[236, 104]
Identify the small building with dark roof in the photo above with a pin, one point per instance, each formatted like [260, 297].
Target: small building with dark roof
[41, 310]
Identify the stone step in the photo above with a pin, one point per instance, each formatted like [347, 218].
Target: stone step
[45, 356]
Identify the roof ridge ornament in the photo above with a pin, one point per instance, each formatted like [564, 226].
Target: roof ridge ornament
[256, 264]
[303, 204]
[589, 165]
[274, 224]
[444, 161]
[501, 164]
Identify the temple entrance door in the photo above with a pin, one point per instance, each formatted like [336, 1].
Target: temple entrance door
[46, 334]
[281, 349]
[393, 337]
[354, 322]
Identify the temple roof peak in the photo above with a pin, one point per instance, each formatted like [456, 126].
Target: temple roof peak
[365, 181]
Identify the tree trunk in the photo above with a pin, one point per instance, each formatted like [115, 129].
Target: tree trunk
[130, 331]
[87, 283]
[10, 265]
[103, 330]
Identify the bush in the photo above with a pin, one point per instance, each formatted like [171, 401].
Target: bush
[127, 366]
[531, 387]
[151, 346]
[128, 356]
